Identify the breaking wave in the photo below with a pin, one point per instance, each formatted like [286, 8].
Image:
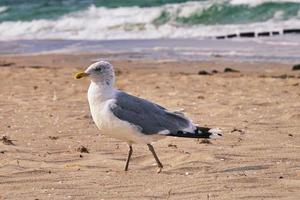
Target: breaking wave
[102, 20]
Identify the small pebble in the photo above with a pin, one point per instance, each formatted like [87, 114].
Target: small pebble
[203, 72]
[227, 69]
[296, 67]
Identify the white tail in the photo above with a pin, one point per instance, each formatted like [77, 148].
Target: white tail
[215, 133]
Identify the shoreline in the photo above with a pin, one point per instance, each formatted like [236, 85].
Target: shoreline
[273, 49]
[81, 60]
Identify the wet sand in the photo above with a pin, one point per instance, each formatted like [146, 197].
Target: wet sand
[45, 114]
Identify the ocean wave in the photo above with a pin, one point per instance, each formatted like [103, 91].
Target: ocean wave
[180, 20]
[224, 13]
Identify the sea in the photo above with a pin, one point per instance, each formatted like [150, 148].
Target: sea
[254, 30]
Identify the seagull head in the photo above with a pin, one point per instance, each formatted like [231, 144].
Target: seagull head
[100, 72]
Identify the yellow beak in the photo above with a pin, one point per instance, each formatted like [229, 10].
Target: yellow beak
[79, 75]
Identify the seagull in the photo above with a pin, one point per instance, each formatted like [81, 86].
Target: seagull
[132, 119]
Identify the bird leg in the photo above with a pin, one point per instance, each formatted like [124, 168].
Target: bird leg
[160, 166]
[128, 158]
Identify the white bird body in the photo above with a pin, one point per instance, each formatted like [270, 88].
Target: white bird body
[101, 98]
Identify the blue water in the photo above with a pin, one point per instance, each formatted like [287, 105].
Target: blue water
[26, 10]
[219, 12]
[147, 19]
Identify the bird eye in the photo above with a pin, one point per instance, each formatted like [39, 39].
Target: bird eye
[98, 69]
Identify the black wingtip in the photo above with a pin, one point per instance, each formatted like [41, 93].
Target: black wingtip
[200, 132]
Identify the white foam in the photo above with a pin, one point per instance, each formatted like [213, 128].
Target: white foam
[257, 2]
[3, 8]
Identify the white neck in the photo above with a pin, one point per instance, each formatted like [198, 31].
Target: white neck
[100, 92]
[99, 97]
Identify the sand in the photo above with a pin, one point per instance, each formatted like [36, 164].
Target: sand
[45, 114]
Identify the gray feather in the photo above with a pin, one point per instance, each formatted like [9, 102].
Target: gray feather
[149, 117]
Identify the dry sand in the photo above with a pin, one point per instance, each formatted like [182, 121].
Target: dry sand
[44, 111]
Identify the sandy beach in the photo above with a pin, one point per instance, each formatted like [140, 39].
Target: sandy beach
[45, 122]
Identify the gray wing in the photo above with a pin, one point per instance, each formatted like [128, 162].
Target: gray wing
[150, 117]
